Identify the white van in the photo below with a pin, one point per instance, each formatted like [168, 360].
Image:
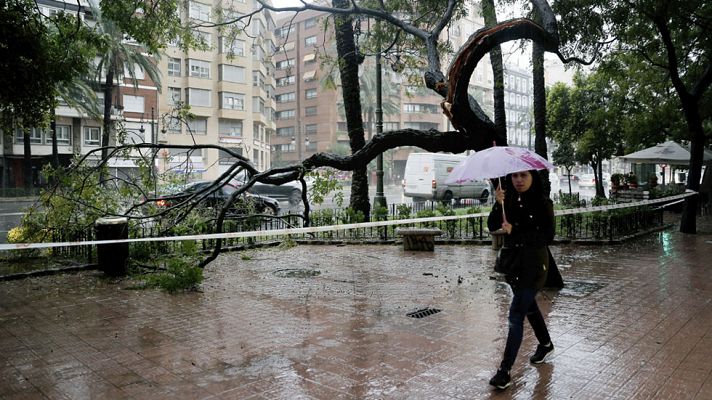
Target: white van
[425, 175]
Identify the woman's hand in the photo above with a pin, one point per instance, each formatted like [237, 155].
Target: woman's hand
[507, 227]
[499, 195]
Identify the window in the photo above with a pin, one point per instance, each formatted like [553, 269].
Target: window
[286, 114]
[231, 73]
[341, 126]
[35, 135]
[133, 104]
[390, 126]
[258, 79]
[258, 105]
[286, 131]
[420, 108]
[198, 97]
[203, 37]
[309, 111]
[281, 32]
[173, 126]
[92, 136]
[230, 127]
[310, 129]
[284, 81]
[310, 41]
[284, 64]
[310, 94]
[64, 135]
[198, 126]
[137, 71]
[309, 23]
[174, 66]
[285, 98]
[199, 11]
[232, 101]
[309, 76]
[199, 68]
[235, 47]
[226, 158]
[173, 96]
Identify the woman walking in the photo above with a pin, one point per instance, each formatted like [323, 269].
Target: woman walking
[528, 221]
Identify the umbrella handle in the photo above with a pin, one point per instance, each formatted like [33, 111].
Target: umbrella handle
[504, 216]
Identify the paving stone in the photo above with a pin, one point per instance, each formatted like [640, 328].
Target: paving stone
[330, 322]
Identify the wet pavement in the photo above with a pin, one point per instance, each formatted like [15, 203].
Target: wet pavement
[330, 322]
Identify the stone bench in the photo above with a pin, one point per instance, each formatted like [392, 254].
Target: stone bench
[418, 239]
[498, 238]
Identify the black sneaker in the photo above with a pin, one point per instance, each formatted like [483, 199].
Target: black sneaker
[541, 353]
[501, 380]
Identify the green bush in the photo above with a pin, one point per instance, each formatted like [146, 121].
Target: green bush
[182, 273]
[404, 211]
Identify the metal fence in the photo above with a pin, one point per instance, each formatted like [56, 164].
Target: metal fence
[341, 226]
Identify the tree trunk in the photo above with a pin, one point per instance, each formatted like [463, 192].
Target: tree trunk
[600, 191]
[27, 158]
[55, 150]
[539, 105]
[688, 222]
[348, 70]
[500, 116]
[108, 93]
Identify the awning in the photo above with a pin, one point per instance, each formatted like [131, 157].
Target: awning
[669, 152]
[310, 57]
[309, 75]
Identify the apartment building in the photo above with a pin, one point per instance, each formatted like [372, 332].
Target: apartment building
[518, 93]
[78, 134]
[229, 88]
[308, 117]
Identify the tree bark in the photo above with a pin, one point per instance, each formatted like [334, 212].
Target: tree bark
[500, 116]
[108, 93]
[27, 158]
[348, 69]
[539, 105]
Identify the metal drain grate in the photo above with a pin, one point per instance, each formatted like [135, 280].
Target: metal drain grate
[423, 313]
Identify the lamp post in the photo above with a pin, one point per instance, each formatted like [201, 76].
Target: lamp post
[306, 145]
[380, 198]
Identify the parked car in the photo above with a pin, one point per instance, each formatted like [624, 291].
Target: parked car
[587, 180]
[565, 179]
[245, 204]
[289, 191]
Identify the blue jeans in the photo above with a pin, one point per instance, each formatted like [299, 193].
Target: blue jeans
[523, 304]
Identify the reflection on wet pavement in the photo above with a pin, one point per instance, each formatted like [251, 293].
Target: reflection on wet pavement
[328, 322]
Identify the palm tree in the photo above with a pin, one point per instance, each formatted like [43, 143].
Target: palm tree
[77, 94]
[116, 57]
[390, 92]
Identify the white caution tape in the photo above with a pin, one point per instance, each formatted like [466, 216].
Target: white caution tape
[314, 229]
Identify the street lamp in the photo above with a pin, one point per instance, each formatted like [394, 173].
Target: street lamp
[380, 198]
[306, 144]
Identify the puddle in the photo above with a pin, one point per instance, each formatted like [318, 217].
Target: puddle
[579, 289]
[297, 273]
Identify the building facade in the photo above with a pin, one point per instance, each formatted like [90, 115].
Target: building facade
[309, 116]
[229, 87]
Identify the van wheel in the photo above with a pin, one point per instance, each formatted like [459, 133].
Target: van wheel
[484, 196]
[447, 197]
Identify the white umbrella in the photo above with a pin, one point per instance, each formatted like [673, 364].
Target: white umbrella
[496, 162]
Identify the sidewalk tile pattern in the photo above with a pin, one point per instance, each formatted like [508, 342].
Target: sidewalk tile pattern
[329, 322]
